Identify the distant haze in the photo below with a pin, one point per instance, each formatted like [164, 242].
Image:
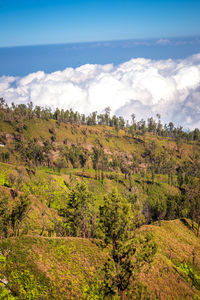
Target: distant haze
[20, 61]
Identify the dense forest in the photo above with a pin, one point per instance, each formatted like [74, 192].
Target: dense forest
[96, 207]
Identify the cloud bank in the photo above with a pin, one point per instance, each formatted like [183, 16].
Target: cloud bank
[141, 86]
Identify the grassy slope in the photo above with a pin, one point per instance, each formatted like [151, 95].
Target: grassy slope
[87, 135]
[53, 268]
[64, 268]
[176, 245]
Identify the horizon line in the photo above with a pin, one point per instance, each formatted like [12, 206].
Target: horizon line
[104, 41]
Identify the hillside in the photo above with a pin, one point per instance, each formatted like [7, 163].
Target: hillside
[69, 268]
[64, 176]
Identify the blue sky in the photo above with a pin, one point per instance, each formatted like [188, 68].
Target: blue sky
[57, 21]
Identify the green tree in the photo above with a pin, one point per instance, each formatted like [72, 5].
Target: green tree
[116, 219]
[192, 194]
[79, 212]
[19, 212]
[107, 115]
[157, 202]
[12, 214]
[4, 215]
[99, 161]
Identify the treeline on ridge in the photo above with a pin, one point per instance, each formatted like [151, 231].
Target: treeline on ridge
[21, 112]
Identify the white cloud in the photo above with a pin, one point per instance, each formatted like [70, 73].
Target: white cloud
[142, 86]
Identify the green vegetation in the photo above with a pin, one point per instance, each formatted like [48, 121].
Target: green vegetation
[117, 222]
[94, 208]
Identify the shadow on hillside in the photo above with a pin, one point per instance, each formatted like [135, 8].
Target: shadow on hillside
[187, 224]
[138, 140]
